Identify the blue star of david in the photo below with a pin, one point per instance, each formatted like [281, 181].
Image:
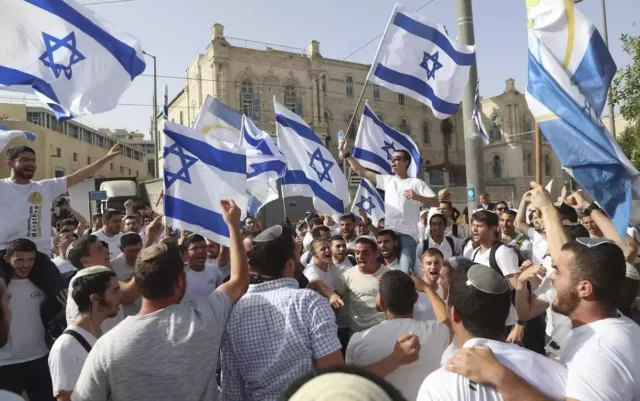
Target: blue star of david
[435, 64]
[185, 162]
[366, 201]
[389, 148]
[54, 44]
[325, 165]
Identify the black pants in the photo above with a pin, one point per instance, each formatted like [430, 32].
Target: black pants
[32, 377]
[344, 334]
[534, 334]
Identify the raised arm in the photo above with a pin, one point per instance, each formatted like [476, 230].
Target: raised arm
[438, 305]
[239, 277]
[357, 167]
[335, 300]
[82, 222]
[557, 236]
[92, 169]
[528, 305]
[521, 217]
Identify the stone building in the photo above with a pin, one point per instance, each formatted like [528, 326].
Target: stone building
[136, 139]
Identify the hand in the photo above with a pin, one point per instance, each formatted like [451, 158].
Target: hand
[409, 194]
[155, 227]
[128, 204]
[298, 247]
[539, 196]
[577, 201]
[531, 273]
[363, 215]
[336, 301]
[169, 239]
[342, 149]
[516, 335]
[230, 212]
[525, 265]
[115, 150]
[62, 298]
[477, 364]
[407, 349]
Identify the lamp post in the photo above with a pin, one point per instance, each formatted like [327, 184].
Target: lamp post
[155, 114]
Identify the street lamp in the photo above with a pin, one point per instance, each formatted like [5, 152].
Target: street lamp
[155, 113]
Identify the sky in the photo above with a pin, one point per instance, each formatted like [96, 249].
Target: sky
[176, 31]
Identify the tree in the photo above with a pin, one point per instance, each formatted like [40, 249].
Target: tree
[625, 93]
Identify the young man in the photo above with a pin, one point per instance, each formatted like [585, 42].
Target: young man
[602, 358]
[202, 279]
[432, 261]
[321, 270]
[536, 233]
[62, 241]
[339, 253]
[403, 197]
[587, 222]
[388, 244]
[218, 257]
[313, 224]
[448, 245]
[501, 206]
[131, 224]
[479, 302]
[168, 336]
[348, 229]
[96, 291]
[396, 299]
[452, 229]
[485, 202]
[318, 232]
[515, 240]
[110, 232]
[124, 266]
[5, 324]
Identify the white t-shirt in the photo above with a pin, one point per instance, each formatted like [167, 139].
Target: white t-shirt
[541, 372]
[335, 229]
[113, 242]
[26, 211]
[66, 359]
[351, 244]
[306, 241]
[360, 291]
[26, 333]
[603, 361]
[402, 214]
[507, 261]
[121, 268]
[344, 265]
[63, 265]
[330, 277]
[444, 247]
[372, 345]
[558, 326]
[540, 246]
[201, 284]
[72, 312]
[423, 309]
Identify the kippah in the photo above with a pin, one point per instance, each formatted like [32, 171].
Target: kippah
[486, 280]
[92, 270]
[270, 234]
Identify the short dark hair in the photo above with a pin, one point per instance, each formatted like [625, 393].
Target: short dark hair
[510, 213]
[406, 156]
[109, 213]
[249, 234]
[191, 239]
[502, 203]
[67, 222]
[440, 215]
[486, 217]
[131, 217]
[337, 238]
[604, 266]
[21, 245]
[269, 257]
[80, 249]
[576, 230]
[317, 232]
[312, 246]
[16, 150]
[348, 216]
[398, 292]
[390, 233]
[61, 233]
[367, 241]
[432, 252]
[158, 268]
[316, 222]
[483, 314]
[567, 213]
[129, 239]
[249, 217]
[84, 286]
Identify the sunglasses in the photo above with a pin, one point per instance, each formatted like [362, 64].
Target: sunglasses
[397, 158]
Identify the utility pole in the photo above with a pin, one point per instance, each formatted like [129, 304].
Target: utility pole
[156, 143]
[473, 147]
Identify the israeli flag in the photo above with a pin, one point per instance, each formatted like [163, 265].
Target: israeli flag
[368, 199]
[477, 116]
[76, 62]
[219, 120]
[264, 159]
[570, 71]
[376, 142]
[417, 58]
[6, 135]
[199, 171]
[311, 169]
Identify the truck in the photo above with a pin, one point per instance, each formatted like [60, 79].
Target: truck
[113, 193]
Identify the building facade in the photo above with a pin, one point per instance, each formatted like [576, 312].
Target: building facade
[65, 147]
[137, 140]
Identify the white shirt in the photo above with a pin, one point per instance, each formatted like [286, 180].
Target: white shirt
[540, 246]
[113, 242]
[26, 211]
[26, 333]
[360, 290]
[201, 284]
[66, 359]
[603, 361]
[394, 265]
[444, 247]
[330, 277]
[306, 258]
[351, 244]
[121, 268]
[335, 229]
[376, 343]
[541, 372]
[7, 396]
[423, 309]
[402, 214]
[558, 326]
[72, 312]
[306, 241]
[344, 265]
[63, 265]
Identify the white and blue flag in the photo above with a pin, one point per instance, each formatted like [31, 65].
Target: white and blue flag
[417, 58]
[264, 160]
[6, 135]
[477, 116]
[570, 71]
[376, 142]
[76, 62]
[311, 169]
[199, 171]
[368, 199]
[219, 120]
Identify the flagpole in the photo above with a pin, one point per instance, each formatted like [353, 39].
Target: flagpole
[353, 116]
[538, 154]
[165, 115]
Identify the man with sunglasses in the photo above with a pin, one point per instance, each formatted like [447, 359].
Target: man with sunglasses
[403, 197]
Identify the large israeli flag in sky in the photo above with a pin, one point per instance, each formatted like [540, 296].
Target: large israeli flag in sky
[264, 160]
[199, 171]
[368, 199]
[311, 169]
[417, 58]
[376, 142]
[570, 71]
[73, 60]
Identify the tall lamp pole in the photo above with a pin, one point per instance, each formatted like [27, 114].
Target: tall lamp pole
[156, 143]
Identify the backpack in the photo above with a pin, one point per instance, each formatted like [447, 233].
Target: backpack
[425, 245]
[492, 256]
[517, 250]
[79, 338]
[454, 230]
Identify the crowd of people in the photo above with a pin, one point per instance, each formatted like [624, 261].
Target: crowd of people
[533, 303]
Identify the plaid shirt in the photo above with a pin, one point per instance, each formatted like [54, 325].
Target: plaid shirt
[272, 337]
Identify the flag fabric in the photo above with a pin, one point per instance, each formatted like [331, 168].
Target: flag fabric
[6, 135]
[199, 171]
[570, 71]
[376, 142]
[416, 58]
[477, 116]
[368, 199]
[264, 159]
[311, 169]
[76, 62]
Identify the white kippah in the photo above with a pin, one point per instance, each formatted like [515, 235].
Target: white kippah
[92, 270]
[632, 272]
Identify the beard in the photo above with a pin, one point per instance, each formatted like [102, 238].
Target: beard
[566, 303]
[25, 175]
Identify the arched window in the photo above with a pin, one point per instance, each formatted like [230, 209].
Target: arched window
[291, 98]
[495, 133]
[496, 167]
[181, 118]
[527, 129]
[425, 132]
[548, 166]
[349, 87]
[324, 83]
[528, 160]
[380, 117]
[404, 127]
[246, 98]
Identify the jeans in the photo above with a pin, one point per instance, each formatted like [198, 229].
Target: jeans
[408, 247]
[33, 377]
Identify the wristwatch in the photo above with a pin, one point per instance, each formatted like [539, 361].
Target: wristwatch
[346, 155]
[593, 206]
[521, 323]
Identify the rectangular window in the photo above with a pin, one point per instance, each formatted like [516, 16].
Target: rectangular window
[376, 92]
[111, 165]
[59, 172]
[400, 99]
[58, 152]
[88, 160]
[87, 136]
[75, 157]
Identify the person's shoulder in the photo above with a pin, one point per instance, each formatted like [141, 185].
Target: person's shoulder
[440, 385]
[504, 251]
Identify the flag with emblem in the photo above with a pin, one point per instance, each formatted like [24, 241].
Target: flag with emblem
[311, 169]
[376, 142]
[416, 58]
[76, 62]
[199, 171]
[6, 135]
[368, 199]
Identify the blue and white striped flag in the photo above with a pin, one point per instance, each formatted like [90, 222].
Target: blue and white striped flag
[570, 71]
[376, 142]
[417, 58]
[477, 116]
[368, 199]
[199, 171]
[76, 62]
[264, 160]
[6, 135]
[311, 169]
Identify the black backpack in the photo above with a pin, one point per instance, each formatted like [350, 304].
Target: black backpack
[517, 250]
[425, 245]
[492, 256]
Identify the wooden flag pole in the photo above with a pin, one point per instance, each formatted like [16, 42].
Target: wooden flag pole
[538, 154]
